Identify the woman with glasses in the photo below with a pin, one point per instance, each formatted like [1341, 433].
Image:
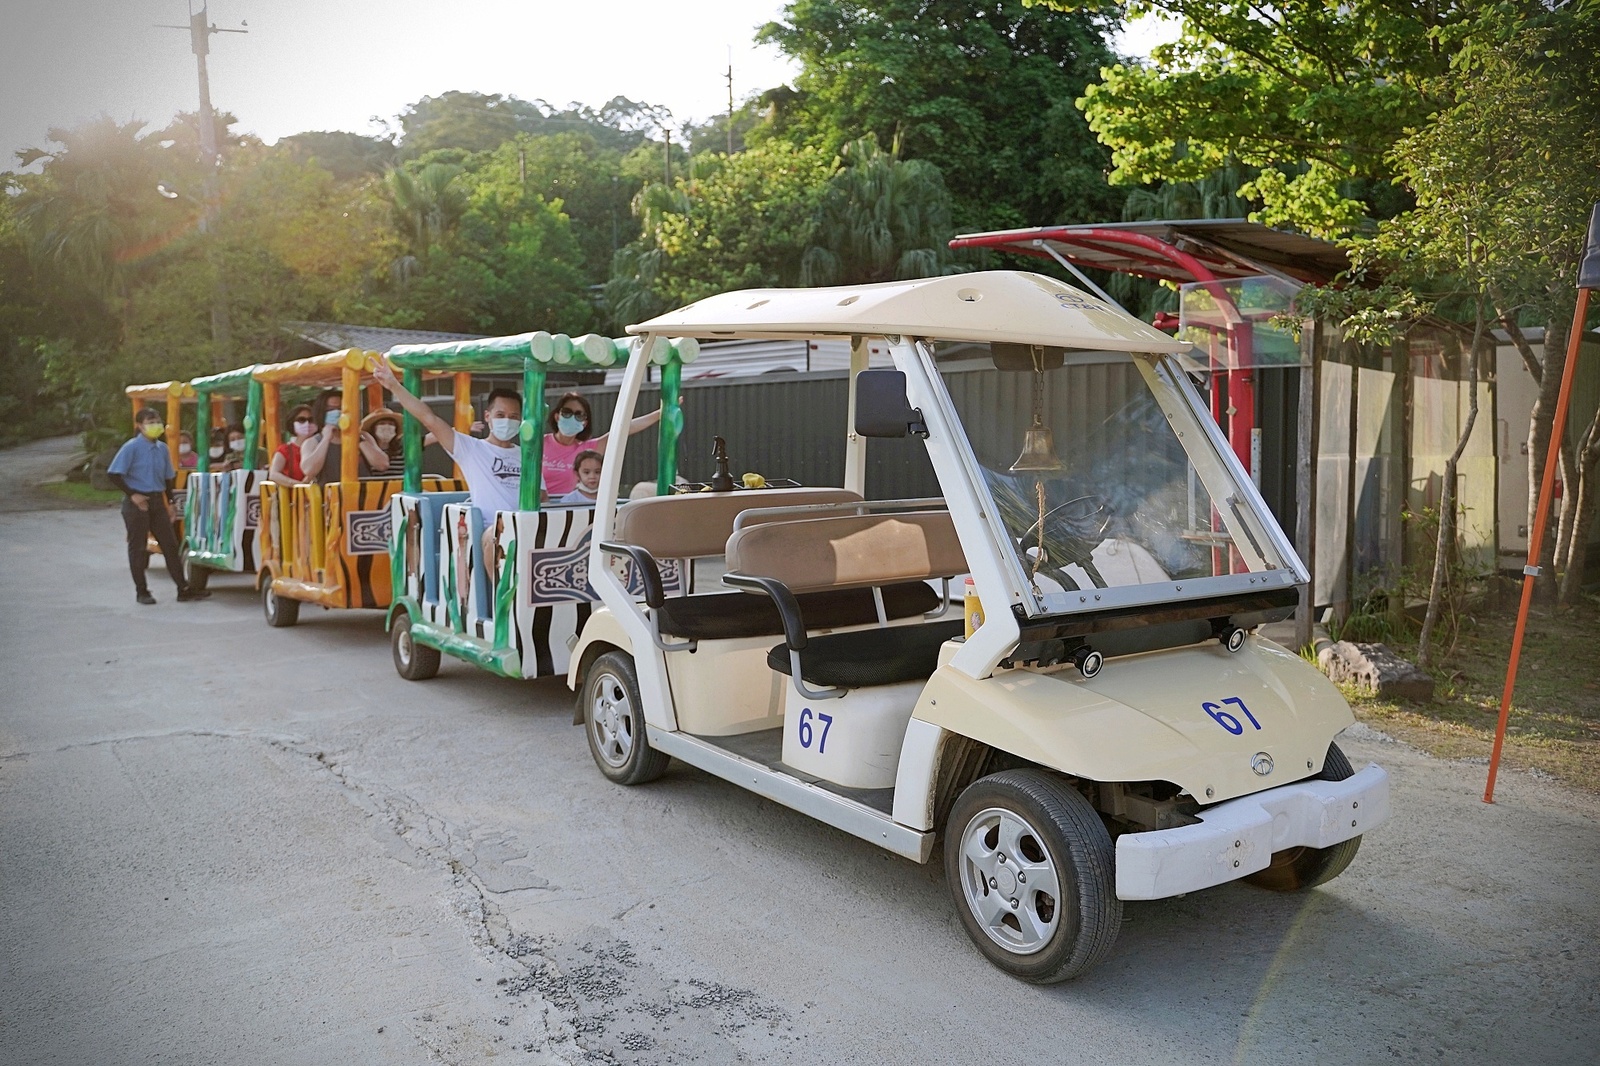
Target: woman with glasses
[286, 469]
[571, 429]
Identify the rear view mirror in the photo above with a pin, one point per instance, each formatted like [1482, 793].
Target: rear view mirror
[882, 409]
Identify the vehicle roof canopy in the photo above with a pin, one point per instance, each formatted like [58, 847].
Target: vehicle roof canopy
[234, 382]
[326, 369]
[995, 305]
[160, 391]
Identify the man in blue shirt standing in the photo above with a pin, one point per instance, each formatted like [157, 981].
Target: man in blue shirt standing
[143, 471]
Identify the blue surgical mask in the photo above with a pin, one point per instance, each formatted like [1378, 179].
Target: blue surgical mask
[331, 418]
[569, 426]
[505, 428]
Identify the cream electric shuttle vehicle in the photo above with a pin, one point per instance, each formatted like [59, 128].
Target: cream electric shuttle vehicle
[1112, 730]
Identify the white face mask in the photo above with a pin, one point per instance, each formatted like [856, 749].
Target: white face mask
[216, 451]
[505, 428]
[236, 445]
[184, 449]
[383, 434]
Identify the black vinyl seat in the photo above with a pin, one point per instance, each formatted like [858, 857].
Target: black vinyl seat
[884, 656]
[727, 615]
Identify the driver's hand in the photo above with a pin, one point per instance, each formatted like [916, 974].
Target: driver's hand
[140, 500]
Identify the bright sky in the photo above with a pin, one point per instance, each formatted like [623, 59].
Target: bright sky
[339, 64]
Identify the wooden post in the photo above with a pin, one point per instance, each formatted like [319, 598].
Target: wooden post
[1306, 479]
[462, 422]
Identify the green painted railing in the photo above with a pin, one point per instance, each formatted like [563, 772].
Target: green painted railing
[229, 383]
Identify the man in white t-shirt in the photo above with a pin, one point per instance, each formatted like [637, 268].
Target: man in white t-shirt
[493, 466]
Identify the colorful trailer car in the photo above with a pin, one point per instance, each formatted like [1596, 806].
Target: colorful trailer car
[327, 544]
[222, 508]
[518, 613]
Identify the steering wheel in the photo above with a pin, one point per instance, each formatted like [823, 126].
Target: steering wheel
[1084, 528]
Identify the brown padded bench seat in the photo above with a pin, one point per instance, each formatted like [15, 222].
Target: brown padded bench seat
[695, 525]
[790, 560]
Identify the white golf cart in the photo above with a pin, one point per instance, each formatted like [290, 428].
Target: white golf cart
[1112, 730]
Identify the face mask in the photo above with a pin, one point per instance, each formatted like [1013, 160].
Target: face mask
[236, 445]
[505, 428]
[569, 426]
[384, 434]
[331, 418]
[216, 451]
[184, 449]
[153, 429]
[303, 427]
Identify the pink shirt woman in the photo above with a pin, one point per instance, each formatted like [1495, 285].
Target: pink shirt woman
[571, 421]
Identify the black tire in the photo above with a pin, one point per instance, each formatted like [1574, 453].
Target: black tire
[613, 722]
[1046, 936]
[195, 576]
[1297, 869]
[280, 611]
[412, 661]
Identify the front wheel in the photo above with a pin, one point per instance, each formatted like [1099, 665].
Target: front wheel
[613, 720]
[280, 612]
[412, 661]
[1032, 871]
[1297, 869]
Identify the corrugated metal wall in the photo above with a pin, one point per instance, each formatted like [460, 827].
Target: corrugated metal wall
[793, 425]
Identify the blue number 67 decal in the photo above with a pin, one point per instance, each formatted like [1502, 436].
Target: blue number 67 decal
[1228, 721]
[807, 732]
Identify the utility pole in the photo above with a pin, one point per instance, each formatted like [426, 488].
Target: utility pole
[666, 153]
[200, 32]
[730, 99]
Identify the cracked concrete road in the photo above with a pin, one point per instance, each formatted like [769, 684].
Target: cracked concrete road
[222, 843]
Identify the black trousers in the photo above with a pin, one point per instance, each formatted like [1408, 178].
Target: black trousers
[155, 522]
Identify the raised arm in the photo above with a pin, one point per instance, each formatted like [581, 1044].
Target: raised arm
[642, 422]
[442, 431]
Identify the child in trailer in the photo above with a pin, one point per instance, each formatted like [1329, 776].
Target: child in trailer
[187, 459]
[143, 471]
[586, 465]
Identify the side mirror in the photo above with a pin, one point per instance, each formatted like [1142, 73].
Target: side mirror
[882, 409]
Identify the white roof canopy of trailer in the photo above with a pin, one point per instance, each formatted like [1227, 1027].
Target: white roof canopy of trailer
[996, 305]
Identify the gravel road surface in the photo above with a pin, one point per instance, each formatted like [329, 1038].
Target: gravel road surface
[222, 843]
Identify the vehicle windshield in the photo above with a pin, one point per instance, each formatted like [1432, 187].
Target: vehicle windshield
[1111, 491]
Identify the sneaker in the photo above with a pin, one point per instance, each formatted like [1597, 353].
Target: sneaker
[145, 597]
[193, 594]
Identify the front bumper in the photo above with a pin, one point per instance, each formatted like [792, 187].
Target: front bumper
[1238, 837]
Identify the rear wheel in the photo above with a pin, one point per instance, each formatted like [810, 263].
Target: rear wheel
[279, 610]
[412, 661]
[1297, 869]
[1032, 871]
[195, 576]
[613, 720]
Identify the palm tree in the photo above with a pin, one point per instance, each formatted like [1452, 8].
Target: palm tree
[882, 218]
[427, 204]
[88, 215]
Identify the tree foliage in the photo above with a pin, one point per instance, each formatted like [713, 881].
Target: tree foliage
[983, 90]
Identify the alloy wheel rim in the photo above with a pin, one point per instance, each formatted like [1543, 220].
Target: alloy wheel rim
[611, 720]
[1010, 881]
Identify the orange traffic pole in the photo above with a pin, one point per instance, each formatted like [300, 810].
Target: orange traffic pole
[1588, 279]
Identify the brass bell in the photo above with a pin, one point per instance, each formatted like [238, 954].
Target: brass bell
[1038, 452]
